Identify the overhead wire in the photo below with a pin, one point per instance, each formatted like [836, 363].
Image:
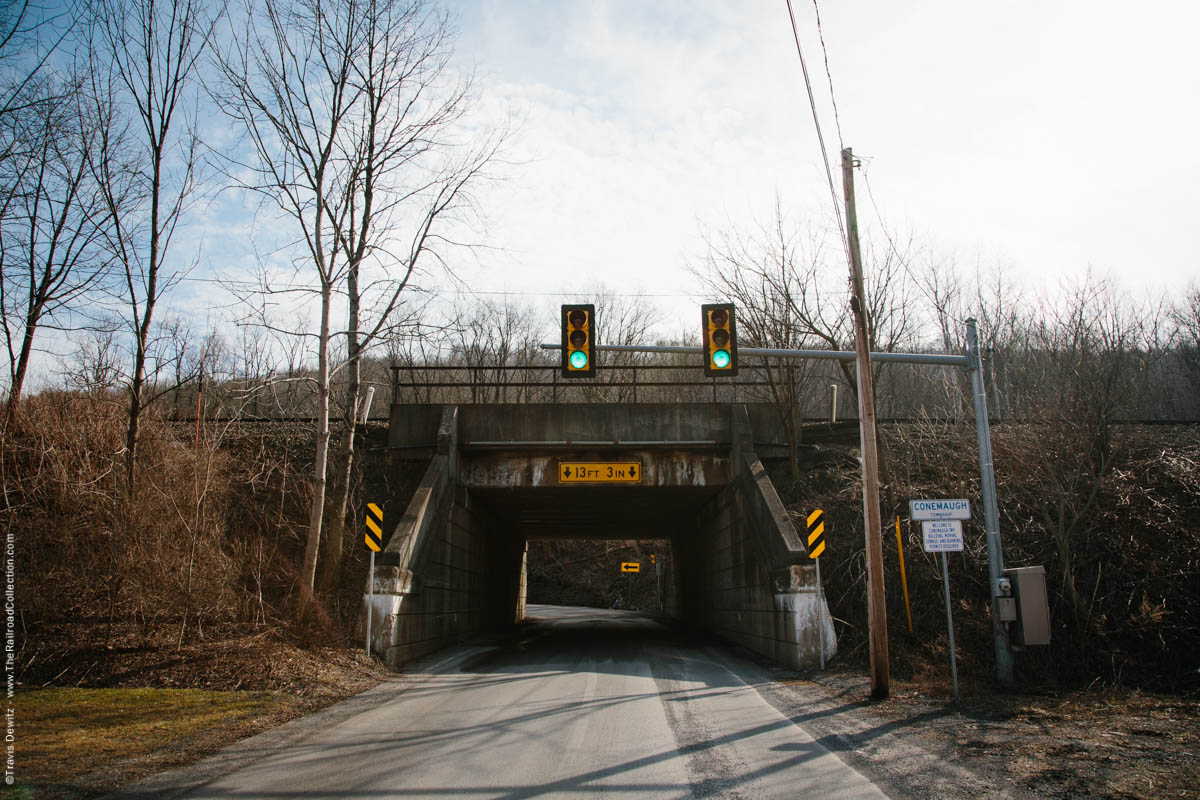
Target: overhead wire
[904, 262]
[829, 76]
[882, 225]
[812, 104]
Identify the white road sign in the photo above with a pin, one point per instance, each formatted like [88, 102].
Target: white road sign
[942, 536]
[922, 510]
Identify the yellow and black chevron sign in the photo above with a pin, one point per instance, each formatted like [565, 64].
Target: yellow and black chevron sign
[816, 533]
[374, 536]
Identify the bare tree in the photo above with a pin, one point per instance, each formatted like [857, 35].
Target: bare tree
[146, 58]
[953, 294]
[489, 338]
[30, 33]
[1084, 354]
[1186, 316]
[767, 276]
[51, 219]
[350, 113]
[780, 281]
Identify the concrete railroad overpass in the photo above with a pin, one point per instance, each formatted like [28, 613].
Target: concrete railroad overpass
[454, 564]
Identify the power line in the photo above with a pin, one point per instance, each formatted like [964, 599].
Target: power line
[879, 216]
[829, 75]
[812, 103]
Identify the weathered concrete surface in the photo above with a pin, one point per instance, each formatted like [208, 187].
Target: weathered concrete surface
[610, 423]
[455, 564]
[414, 425]
[446, 572]
[746, 574]
[519, 468]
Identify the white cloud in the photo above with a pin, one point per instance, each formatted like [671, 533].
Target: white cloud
[1045, 137]
[1049, 137]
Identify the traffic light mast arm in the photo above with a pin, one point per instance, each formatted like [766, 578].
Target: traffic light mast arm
[777, 352]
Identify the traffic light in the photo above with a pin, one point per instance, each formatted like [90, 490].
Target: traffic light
[579, 341]
[720, 340]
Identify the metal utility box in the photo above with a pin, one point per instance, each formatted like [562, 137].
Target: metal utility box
[1033, 611]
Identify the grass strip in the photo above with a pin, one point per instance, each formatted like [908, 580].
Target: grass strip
[65, 734]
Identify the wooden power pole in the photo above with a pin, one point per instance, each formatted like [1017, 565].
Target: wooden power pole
[876, 610]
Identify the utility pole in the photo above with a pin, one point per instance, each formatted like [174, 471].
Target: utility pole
[876, 610]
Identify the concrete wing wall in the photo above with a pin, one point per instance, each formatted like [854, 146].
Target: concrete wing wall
[447, 572]
[745, 575]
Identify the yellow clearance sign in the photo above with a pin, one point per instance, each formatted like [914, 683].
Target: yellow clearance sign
[599, 472]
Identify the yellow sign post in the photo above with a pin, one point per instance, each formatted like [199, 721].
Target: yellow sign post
[631, 566]
[599, 472]
[903, 576]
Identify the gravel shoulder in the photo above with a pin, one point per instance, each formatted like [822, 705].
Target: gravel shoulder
[1105, 744]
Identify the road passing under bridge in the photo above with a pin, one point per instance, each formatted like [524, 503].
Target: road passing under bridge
[578, 703]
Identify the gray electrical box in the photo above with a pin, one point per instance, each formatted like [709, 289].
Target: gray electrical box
[1033, 611]
[1006, 609]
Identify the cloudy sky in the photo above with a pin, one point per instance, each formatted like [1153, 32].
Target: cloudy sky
[1042, 138]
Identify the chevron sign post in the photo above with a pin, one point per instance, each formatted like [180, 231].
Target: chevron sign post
[816, 546]
[374, 540]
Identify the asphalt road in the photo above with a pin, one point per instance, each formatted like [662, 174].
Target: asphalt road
[582, 703]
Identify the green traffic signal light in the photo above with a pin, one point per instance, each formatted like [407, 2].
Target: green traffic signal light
[578, 340]
[719, 337]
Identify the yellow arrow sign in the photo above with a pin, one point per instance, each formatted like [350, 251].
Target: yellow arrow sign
[631, 566]
[374, 534]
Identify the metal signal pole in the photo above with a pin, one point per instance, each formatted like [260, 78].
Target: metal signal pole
[876, 609]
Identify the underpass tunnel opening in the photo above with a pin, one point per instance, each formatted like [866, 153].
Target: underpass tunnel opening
[621, 574]
[600, 547]
[719, 565]
[683, 482]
